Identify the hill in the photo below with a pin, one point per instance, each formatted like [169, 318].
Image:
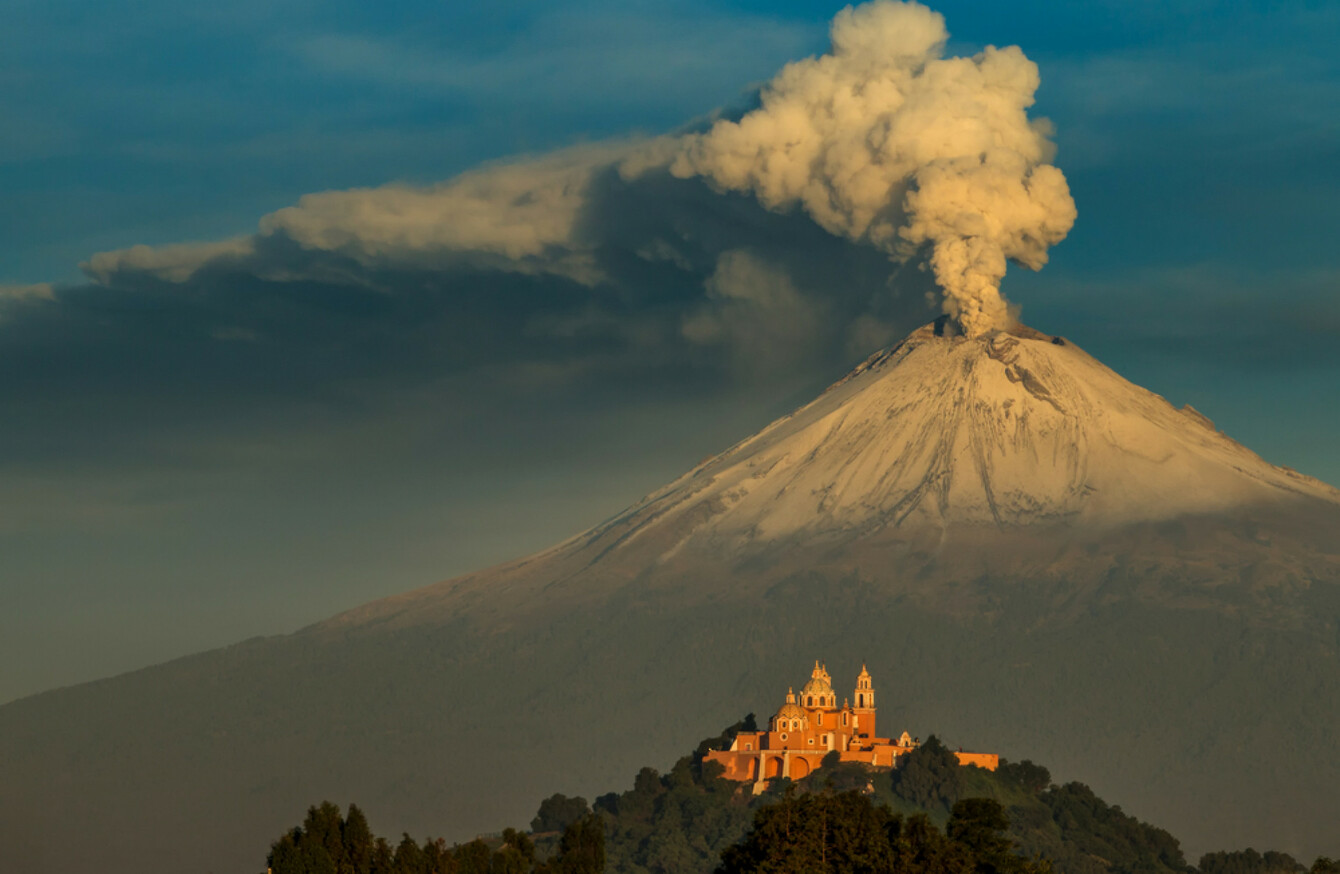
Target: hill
[692, 821]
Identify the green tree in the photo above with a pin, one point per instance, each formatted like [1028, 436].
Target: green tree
[383, 857]
[324, 828]
[922, 849]
[557, 812]
[1090, 828]
[473, 858]
[357, 844]
[285, 856]
[299, 852]
[438, 858]
[929, 777]
[1033, 778]
[824, 833]
[980, 824]
[409, 858]
[519, 841]
[1249, 861]
[582, 849]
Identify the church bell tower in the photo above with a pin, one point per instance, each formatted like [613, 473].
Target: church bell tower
[865, 704]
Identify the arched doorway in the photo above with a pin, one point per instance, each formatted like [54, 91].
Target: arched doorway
[773, 768]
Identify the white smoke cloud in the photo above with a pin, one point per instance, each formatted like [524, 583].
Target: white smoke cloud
[20, 294]
[886, 141]
[174, 263]
[34, 291]
[882, 141]
[519, 216]
[522, 216]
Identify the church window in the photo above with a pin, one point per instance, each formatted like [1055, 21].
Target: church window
[844, 719]
[748, 747]
[783, 735]
[811, 741]
[809, 702]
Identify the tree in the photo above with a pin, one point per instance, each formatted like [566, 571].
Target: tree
[520, 842]
[922, 849]
[285, 856]
[409, 858]
[438, 858]
[929, 776]
[1033, 778]
[515, 856]
[582, 849]
[979, 825]
[324, 828]
[1249, 861]
[383, 857]
[825, 833]
[356, 839]
[473, 858]
[300, 852]
[557, 812]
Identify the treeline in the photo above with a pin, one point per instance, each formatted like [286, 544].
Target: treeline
[328, 843]
[814, 833]
[1249, 861]
[847, 833]
[690, 819]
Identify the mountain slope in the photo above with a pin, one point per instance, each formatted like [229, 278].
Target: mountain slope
[1030, 553]
[1011, 429]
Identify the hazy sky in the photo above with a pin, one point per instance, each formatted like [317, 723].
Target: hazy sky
[306, 423]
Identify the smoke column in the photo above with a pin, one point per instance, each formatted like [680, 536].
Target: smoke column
[885, 140]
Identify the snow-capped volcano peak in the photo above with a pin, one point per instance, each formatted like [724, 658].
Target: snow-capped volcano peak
[1007, 429]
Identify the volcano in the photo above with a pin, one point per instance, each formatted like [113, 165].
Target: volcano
[1031, 554]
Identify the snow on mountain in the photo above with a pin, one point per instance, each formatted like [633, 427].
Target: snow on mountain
[1012, 428]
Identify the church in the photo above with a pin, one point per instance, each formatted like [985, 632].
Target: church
[810, 725]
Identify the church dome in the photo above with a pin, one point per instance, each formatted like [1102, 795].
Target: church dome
[817, 686]
[818, 692]
[791, 717]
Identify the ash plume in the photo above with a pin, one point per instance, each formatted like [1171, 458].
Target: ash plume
[884, 140]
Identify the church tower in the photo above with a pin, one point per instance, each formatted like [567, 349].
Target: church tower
[864, 710]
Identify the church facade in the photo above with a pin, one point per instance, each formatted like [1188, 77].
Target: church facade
[810, 725]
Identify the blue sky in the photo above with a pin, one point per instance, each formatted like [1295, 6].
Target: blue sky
[163, 489]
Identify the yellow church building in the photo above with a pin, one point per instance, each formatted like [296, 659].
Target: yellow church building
[810, 725]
